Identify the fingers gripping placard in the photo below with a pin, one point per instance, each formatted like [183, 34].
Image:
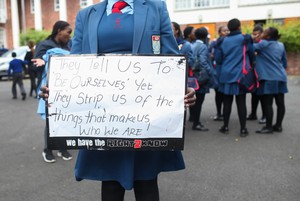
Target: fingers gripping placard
[116, 102]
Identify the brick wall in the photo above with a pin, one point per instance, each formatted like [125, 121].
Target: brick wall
[293, 63]
[29, 16]
[49, 16]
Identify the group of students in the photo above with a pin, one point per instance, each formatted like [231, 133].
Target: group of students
[224, 59]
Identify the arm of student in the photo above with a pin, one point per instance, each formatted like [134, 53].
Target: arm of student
[38, 62]
[190, 97]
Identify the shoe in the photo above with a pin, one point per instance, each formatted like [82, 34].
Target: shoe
[48, 156]
[64, 154]
[252, 117]
[218, 118]
[23, 96]
[15, 97]
[199, 127]
[224, 129]
[244, 132]
[262, 121]
[265, 130]
[277, 128]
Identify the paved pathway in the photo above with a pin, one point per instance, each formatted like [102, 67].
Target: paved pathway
[218, 167]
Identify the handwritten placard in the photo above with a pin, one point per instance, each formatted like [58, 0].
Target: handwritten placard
[116, 102]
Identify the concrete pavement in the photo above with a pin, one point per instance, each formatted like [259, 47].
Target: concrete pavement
[218, 167]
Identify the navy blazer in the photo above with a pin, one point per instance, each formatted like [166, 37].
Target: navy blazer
[150, 18]
[271, 60]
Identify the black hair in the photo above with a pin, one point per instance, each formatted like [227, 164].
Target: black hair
[273, 33]
[201, 33]
[187, 31]
[177, 28]
[13, 54]
[259, 28]
[220, 28]
[233, 24]
[58, 26]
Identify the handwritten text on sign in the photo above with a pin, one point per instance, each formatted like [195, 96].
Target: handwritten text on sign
[116, 96]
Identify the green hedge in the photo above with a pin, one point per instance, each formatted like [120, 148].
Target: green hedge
[290, 34]
[36, 36]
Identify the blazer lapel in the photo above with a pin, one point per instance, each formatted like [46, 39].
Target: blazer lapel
[94, 20]
[140, 15]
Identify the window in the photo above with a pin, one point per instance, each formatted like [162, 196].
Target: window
[32, 6]
[3, 13]
[56, 5]
[261, 2]
[183, 4]
[85, 3]
[188, 4]
[2, 38]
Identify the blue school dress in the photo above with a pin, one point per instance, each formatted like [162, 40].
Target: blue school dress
[271, 63]
[122, 166]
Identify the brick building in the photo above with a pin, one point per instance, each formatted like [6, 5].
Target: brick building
[20, 15]
[17, 16]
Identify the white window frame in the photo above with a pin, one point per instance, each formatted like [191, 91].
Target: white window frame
[85, 3]
[2, 37]
[200, 4]
[32, 6]
[3, 11]
[263, 2]
[56, 5]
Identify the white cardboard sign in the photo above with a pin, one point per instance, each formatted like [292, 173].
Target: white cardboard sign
[96, 99]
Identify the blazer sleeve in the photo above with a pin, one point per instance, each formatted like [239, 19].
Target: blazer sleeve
[284, 58]
[203, 57]
[190, 56]
[78, 35]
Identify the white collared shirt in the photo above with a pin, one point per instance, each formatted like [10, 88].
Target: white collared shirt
[127, 9]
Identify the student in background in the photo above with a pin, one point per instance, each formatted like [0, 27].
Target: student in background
[271, 63]
[15, 69]
[32, 69]
[222, 31]
[189, 34]
[255, 99]
[189, 37]
[59, 38]
[230, 57]
[184, 46]
[201, 54]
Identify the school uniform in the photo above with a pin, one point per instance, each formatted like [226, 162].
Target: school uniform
[230, 57]
[200, 51]
[98, 30]
[16, 69]
[271, 63]
[201, 54]
[217, 67]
